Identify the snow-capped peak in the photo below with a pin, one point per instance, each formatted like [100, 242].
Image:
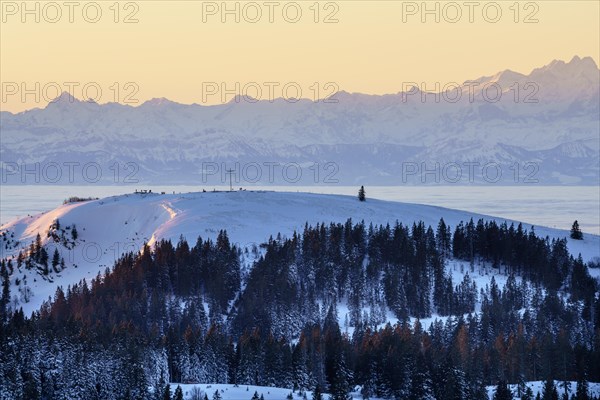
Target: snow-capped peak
[65, 98]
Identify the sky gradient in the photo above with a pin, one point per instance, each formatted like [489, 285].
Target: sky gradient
[182, 49]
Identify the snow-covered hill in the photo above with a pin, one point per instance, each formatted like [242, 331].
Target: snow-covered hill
[544, 123]
[245, 392]
[110, 226]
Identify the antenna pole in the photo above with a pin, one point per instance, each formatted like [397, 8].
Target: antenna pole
[230, 172]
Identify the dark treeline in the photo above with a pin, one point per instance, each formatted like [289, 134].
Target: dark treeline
[192, 314]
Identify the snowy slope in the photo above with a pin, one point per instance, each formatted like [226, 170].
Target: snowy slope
[538, 387]
[245, 392]
[110, 226]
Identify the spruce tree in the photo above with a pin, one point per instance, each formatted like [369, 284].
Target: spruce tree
[528, 395]
[167, 392]
[340, 387]
[362, 194]
[317, 393]
[502, 392]
[178, 393]
[158, 392]
[421, 383]
[576, 231]
[549, 391]
[5, 299]
[30, 390]
[55, 260]
[37, 247]
[43, 259]
[582, 392]
[20, 259]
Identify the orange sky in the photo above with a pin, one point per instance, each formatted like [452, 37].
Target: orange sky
[184, 51]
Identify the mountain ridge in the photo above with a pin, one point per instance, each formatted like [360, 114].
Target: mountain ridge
[585, 64]
[166, 139]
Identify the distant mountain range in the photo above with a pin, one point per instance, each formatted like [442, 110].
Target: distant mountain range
[507, 128]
